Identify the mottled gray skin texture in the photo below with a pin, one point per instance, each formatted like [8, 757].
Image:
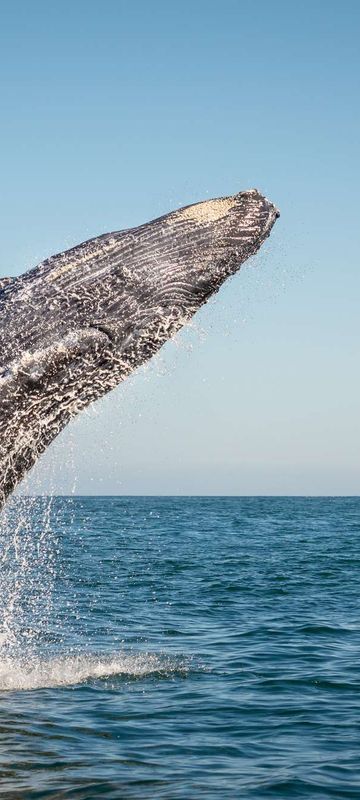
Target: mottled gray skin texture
[80, 322]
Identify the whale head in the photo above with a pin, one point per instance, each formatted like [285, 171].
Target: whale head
[80, 322]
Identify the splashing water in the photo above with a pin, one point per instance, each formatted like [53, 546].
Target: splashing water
[28, 549]
[31, 526]
[33, 649]
[68, 670]
[40, 645]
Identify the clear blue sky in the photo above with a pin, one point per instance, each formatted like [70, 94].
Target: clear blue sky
[115, 112]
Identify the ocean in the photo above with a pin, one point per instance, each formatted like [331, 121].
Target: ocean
[179, 648]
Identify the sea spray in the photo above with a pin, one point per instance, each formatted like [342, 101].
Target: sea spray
[32, 529]
[20, 673]
[28, 556]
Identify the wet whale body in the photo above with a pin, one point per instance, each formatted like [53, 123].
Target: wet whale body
[79, 323]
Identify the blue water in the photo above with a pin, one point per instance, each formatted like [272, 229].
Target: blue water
[180, 648]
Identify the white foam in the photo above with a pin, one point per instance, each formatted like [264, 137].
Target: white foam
[39, 673]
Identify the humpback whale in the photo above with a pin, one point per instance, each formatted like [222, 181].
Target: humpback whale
[79, 323]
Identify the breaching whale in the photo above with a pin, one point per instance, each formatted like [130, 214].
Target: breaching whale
[79, 323]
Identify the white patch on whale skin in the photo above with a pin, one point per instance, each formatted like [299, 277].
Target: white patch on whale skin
[208, 211]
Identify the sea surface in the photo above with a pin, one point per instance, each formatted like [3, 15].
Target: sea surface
[180, 648]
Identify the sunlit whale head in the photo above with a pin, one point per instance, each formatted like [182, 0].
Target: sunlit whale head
[80, 322]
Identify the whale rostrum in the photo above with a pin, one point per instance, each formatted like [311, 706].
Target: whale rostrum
[79, 323]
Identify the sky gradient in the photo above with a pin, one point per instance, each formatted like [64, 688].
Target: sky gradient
[115, 113]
